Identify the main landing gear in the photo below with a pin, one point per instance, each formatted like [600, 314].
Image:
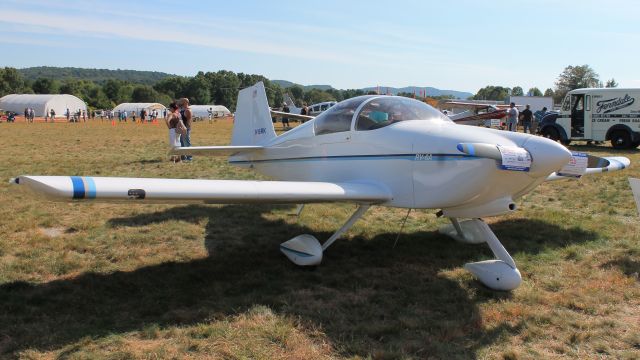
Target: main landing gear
[498, 274]
[306, 250]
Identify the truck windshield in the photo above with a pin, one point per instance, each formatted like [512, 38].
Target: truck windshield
[566, 103]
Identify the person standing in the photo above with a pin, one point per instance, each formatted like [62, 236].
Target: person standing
[512, 117]
[185, 114]
[527, 118]
[285, 120]
[537, 119]
[172, 121]
[53, 115]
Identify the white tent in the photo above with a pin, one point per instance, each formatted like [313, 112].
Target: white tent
[202, 111]
[42, 103]
[137, 107]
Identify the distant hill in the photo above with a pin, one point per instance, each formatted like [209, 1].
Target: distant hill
[286, 84]
[97, 75]
[152, 77]
[431, 91]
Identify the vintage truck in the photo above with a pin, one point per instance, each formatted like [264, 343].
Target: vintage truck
[596, 114]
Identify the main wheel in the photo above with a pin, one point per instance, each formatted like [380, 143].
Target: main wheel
[550, 133]
[621, 139]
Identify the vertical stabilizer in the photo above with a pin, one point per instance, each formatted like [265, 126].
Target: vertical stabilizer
[635, 187]
[252, 124]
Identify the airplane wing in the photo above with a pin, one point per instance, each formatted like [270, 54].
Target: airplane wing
[469, 105]
[214, 150]
[280, 114]
[467, 118]
[596, 165]
[115, 189]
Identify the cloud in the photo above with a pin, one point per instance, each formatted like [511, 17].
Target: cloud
[161, 32]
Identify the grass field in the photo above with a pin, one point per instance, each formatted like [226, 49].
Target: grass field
[114, 281]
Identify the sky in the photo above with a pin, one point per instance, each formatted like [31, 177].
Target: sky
[456, 45]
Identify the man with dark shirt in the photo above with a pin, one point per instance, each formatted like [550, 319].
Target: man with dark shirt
[185, 113]
[527, 117]
[285, 120]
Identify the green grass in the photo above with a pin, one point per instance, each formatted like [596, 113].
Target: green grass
[122, 281]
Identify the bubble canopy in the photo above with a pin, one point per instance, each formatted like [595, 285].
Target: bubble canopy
[374, 112]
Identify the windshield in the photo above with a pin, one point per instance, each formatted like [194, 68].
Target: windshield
[338, 117]
[384, 111]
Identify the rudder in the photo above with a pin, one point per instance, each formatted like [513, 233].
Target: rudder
[252, 124]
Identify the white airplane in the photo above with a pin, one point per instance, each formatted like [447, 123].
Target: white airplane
[314, 109]
[369, 150]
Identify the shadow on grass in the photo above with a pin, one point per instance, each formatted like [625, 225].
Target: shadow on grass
[145, 161]
[627, 266]
[368, 297]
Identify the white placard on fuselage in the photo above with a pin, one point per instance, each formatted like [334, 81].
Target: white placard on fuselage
[515, 158]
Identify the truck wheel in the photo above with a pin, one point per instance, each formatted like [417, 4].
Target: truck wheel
[550, 133]
[621, 140]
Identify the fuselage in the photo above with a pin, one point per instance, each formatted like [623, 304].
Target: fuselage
[417, 160]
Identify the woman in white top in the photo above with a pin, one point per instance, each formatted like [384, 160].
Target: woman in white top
[172, 120]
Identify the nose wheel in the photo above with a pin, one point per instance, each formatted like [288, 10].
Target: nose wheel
[498, 274]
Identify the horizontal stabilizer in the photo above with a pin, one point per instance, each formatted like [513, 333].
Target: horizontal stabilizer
[597, 165]
[214, 150]
[115, 189]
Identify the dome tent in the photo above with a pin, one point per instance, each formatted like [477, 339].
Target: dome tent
[41, 103]
[137, 107]
[202, 111]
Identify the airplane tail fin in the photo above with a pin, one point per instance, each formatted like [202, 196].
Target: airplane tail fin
[252, 124]
[293, 109]
[288, 100]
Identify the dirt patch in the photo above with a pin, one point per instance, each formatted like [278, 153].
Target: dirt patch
[53, 231]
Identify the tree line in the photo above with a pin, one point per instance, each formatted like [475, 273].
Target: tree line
[221, 87]
[572, 77]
